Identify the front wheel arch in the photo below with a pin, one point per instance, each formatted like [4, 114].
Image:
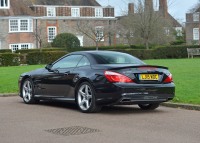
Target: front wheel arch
[32, 100]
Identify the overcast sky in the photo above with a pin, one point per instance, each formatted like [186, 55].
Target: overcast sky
[177, 8]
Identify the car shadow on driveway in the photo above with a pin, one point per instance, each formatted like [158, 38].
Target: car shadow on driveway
[127, 109]
[123, 109]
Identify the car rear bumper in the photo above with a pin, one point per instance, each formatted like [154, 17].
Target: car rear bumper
[126, 94]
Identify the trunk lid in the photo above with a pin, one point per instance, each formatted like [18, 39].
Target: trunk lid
[140, 74]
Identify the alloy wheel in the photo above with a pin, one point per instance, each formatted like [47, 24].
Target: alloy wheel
[27, 91]
[85, 97]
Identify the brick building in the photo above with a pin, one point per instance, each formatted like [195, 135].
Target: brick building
[149, 5]
[193, 26]
[27, 24]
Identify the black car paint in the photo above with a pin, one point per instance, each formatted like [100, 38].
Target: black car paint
[62, 83]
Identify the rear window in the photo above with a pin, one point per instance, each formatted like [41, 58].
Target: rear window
[115, 58]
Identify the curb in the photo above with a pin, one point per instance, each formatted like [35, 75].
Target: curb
[181, 106]
[8, 94]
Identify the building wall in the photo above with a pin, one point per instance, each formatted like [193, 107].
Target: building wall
[66, 11]
[190, 24]
[8, 38]
[63, 22]
[70, 26]
[4, 33]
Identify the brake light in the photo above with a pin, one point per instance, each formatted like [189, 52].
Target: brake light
[169, 79]
[117, 77]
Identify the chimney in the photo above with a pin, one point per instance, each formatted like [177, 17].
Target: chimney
[131, 8]
[163, 8]
[149, 5]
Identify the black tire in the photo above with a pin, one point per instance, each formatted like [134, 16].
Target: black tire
[149, 106]
[27, 91]
[82, 99]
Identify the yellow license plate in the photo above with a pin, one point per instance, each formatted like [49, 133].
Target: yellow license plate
[149, 76]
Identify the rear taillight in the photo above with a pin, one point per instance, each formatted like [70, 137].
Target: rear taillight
[169, 79]
[117, 77]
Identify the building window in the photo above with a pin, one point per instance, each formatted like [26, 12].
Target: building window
[196, 34]
[51, 33]
[4, 4]
[19, 46]
[51, 11]
[99, 33]
[179, 31]
[98, 12]
[20, 25]
[196, 17]
[75, 12]
[167, 31]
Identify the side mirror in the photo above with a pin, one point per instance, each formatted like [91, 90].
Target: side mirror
[48, 67]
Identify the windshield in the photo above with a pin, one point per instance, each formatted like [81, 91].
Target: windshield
[115, 58]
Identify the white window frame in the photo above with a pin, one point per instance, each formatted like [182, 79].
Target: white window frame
[179, 31]
[5, 4]
[20, 26]
[195, 33]
[19, 46]
[75, 12]
[51, 11]
[98, 12]
[196, 17]
[54, 33]
[167, 31]
[99, 31]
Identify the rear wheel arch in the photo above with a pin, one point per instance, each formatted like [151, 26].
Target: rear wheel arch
[79, 83]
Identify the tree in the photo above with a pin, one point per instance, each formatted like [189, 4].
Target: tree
[97, 31]
[195, 8]
[66, 40]
[147, 26]
[38, 34]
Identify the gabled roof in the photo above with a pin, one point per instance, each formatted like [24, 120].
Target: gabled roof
[175, 22]
[63, 2]
[17, 8]
[22, 7]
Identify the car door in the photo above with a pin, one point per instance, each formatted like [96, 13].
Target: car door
[58, 80]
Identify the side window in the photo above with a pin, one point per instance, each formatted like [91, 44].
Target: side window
[84, 62]
[68, 62]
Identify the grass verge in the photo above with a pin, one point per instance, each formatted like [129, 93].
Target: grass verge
[186, 75]
[9, 77]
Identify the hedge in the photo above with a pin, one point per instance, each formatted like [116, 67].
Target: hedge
[38, 50]
[5, 51]
[167, 52]
[9, 59]
[35, 58]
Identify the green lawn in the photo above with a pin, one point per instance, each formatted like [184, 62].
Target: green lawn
[186, 74]
[9, 77]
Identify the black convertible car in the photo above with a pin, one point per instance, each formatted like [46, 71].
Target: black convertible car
[93, 79]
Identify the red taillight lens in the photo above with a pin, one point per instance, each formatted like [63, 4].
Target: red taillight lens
[116, 77]
[169, 79]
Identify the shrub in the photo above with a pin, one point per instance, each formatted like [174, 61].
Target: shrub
[43, 57]
[66, 40]
[9, 59]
